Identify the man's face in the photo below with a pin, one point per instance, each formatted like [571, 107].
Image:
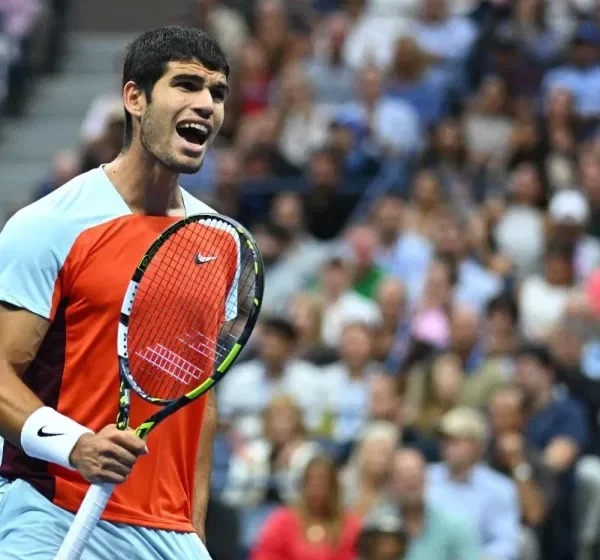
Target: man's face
[274, 347]
[460, 452]
[530, 376]
[408, 478]
[184, 116]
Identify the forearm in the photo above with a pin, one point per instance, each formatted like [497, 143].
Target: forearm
[204, 465]
[532, 502]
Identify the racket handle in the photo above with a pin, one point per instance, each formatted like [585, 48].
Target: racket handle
[85, 521]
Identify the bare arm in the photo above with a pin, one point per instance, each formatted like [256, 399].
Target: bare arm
[204, 465]
[104, 457]
[533, 502]
[21, 334]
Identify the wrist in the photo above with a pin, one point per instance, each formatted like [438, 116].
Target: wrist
[50, 436]
[522, 472]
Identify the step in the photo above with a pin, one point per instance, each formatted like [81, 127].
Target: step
[38, 139]
[69, 95]
[18, 182]
[96, 53]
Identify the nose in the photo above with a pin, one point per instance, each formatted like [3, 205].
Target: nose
[204, 104]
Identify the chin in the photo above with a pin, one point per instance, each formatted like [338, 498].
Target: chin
[185, 165]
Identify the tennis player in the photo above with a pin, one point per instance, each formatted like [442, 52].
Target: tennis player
[65, 262]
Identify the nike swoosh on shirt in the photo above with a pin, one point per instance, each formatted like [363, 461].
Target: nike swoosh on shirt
[41, 433]
[201, 259]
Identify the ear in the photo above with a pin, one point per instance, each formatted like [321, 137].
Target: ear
[134, 99]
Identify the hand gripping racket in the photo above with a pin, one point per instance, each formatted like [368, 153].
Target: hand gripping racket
[188, 311]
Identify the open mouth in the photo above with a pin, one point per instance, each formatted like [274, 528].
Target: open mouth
[194, 133]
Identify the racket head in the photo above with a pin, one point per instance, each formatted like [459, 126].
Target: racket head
[189, 309]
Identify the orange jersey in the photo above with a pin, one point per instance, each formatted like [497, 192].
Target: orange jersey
[69, 257]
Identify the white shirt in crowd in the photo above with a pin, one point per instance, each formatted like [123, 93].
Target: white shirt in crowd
[349, 308]
[541, 306]
[247, 390]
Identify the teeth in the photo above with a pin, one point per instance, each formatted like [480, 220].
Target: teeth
[196, 126]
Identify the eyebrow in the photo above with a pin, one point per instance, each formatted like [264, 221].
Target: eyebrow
[200, 80]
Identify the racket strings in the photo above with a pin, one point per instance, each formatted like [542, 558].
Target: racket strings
[191, 307]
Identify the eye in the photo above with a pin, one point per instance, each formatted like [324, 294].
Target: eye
[188, 86]
[218, 94]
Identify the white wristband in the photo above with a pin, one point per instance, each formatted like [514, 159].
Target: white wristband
[50, 436]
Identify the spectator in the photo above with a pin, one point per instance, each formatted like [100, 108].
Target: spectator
[569, 213]
[488, 126]
[387, 404]
[426, 205]
[432, 533]
[415, 82]
[366, 478]
[558, 430]
[304, 124]
[382, 126]
[509, 454]
[342, 304]
[569, 350]
[327, 207]
[317, 527]
[389, 341]
[580, 76]
[244, 396]
[65, 166]
[223, 23]
[403, 254]
[346, 383]
[445, 38]
[466, 486]
[265, 473]
[502, 336]
[520, 233]
[306, 314]
[476, 284]
[362, 242]
[333, 81]
[383, 537]
[542, 299]
[302, 257]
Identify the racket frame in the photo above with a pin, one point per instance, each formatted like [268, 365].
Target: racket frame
[98, 495]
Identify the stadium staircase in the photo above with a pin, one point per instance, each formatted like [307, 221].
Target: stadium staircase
[54, 116]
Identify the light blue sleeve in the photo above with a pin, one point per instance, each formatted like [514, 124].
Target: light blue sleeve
[31, 256]
[502, 525]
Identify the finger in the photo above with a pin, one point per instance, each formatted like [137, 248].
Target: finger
[130, 442]
[113, 466]
[121, 455]
[109, 477]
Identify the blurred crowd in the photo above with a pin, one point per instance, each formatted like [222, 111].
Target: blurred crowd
[31, 44]
[423, 179]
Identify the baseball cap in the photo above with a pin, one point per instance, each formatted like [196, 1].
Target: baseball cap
[464, 423]
[569, 206]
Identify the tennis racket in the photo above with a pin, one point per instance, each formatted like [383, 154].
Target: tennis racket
[189, 309]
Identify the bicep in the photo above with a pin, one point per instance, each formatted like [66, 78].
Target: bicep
[21, 334]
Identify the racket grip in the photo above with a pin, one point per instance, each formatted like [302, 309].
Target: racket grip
[85, 521]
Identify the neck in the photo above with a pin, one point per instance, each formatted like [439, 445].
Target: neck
[274, 369]
[543, 399]
[356, 370]
[146, 185]
[460, 473]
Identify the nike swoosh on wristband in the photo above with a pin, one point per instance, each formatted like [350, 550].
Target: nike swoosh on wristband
[201, 259]
[41, 433]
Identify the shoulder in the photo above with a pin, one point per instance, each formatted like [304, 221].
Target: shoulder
[194, 205]
[283, 518]
[495, 482]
